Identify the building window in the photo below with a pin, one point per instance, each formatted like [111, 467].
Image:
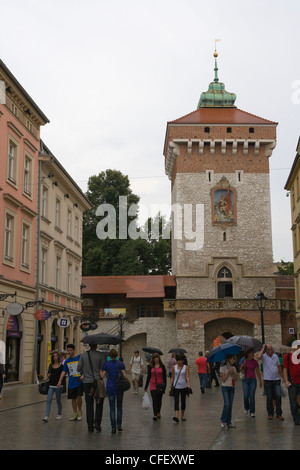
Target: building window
[27, 176]
[8, 237]
[229, 130]
[25, 255]
[57, 213]
[69, 224]
[12, 162]
[251, 130]
[207, 130]
[76, 281]
[69, 278]
[57, 272]
[45, 202]
[224, 283]
[76, 229]
[44, 266]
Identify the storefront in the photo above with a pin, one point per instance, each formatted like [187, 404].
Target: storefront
[13, 342]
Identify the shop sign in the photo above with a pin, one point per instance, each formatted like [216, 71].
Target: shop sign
[42, 314]
[14, 308]
[63, 322]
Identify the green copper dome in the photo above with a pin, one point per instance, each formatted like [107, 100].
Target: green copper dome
[216, 96]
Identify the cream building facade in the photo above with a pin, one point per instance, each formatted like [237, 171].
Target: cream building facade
[59, 257]
[293, 186]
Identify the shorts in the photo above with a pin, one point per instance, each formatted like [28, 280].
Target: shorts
[73, 393]
[135, 376]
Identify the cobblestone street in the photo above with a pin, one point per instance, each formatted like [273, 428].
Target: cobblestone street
[22, 409]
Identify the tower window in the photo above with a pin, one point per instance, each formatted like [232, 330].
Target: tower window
[251, 130]
[225, 288]
[207, 130]
[224, 236]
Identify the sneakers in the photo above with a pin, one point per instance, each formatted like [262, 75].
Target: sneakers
[58, 417]
[45, 419]
[79, 416]
[73, 417]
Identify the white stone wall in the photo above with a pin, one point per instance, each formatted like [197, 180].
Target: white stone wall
[248, 246]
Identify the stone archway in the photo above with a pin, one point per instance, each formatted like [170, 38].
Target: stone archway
[226, 327]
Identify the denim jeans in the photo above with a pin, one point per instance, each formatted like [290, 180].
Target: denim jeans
[203, 379]
[92, 418]
[293, 391]
[273, 390]
[112, 407]
[249, 387]
[228, 395]
[51, 392]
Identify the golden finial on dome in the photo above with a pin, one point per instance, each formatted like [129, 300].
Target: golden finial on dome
[215, 53]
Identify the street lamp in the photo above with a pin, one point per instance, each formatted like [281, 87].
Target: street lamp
[261, 301]
[121, 322]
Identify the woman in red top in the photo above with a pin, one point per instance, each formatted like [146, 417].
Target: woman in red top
[157, 378]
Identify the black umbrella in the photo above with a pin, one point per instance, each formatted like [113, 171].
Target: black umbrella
[246, 342]
[178, 351]
[151, 350]
[102, 338]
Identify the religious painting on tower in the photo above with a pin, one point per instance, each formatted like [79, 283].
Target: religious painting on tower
[224, 205]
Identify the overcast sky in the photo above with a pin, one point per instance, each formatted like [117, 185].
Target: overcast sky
[110, 74]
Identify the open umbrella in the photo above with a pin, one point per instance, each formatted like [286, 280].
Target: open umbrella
[102, 338]
[178, 351]
[281, 348]
[246, 342]
[220, 352]
[151, 350]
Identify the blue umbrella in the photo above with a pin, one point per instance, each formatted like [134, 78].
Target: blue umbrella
[220, 352]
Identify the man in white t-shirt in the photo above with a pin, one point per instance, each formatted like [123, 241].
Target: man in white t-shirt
[136, 369]
[273, 374]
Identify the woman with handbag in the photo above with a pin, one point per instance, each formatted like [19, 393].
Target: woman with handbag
[54, 372]
[111, 369]
[157, 378]
[179, 386]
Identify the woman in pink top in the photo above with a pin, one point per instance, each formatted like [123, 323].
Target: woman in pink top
[251, 368]
[157, 378]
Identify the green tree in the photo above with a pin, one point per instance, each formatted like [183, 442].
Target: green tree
[147, 252]
[285, 268]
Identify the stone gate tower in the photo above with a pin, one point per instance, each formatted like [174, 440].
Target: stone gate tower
[217, 159]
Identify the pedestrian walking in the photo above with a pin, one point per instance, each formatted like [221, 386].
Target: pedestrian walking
[228, 377]
[135, 370]
[171, 362]
[249, 384]
[180, 381]
[75, 386]
[291, 372]
[2, 377]
[54, 372]
[157, 379]
[111, 370]
[272, 373]
[89, 365]
[203, 369]
[213, 374]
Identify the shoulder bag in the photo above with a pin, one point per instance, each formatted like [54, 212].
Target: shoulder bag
[122, 383]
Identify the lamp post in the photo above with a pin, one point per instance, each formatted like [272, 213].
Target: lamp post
[261, 301]
[121, 322]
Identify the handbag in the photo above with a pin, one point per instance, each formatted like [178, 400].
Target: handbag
[141, 380]
[122, 383]
[43, 388]
[160, 387]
